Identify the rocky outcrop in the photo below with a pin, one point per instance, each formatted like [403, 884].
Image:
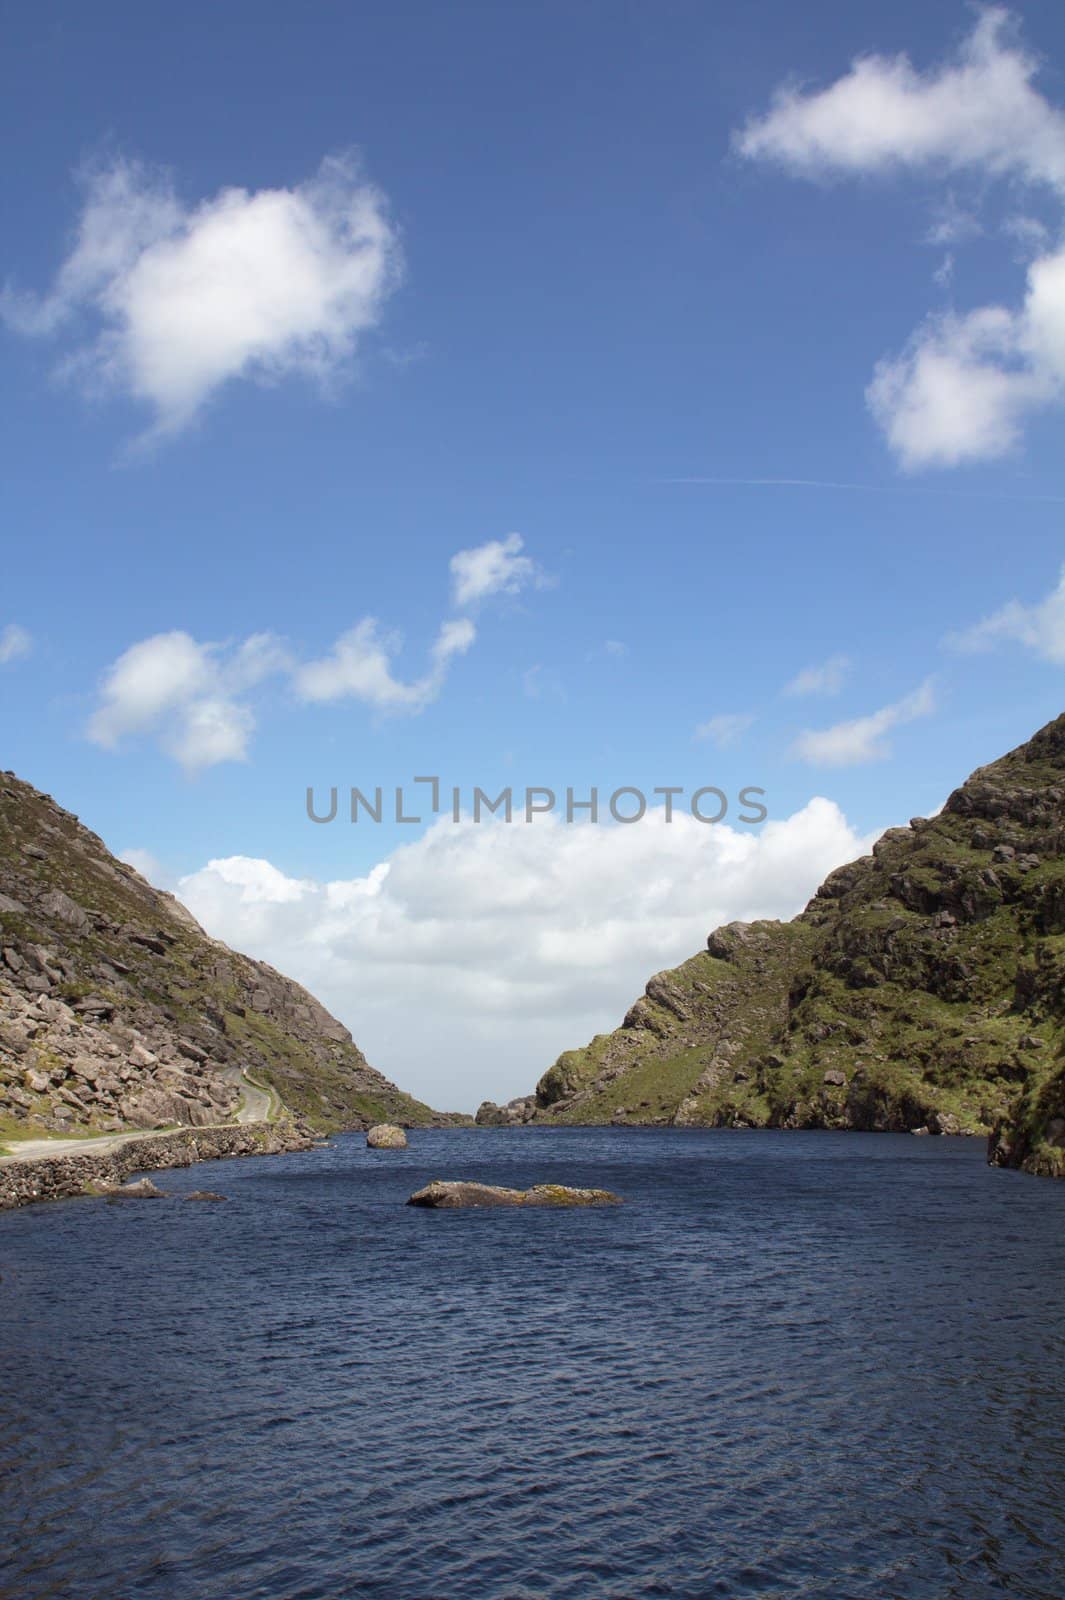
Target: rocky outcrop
[511, 1115]
[1033, 1134]
[445, 1196]
[117, 1011]
[922, 987]
[386, 1136]
[24, 1182]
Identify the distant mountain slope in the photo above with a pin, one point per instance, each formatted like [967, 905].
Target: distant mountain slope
[117, 1010]
[921, 987]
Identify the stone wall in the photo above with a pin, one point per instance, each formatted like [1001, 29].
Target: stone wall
[22, 1183]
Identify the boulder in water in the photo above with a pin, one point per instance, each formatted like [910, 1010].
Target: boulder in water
[143, 1189]
[439, 1195]
[386, 1136]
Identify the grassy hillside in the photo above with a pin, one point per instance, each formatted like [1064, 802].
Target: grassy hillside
[921, 987]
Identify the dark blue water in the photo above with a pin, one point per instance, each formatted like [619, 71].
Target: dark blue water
[792, 1364]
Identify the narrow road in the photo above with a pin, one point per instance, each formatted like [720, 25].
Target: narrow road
[258, 1103]
[256, 1107]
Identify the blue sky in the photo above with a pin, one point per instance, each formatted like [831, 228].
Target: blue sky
[572, 274]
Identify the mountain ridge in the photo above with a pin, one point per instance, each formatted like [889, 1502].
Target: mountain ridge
[118, 1012]
[921, 988]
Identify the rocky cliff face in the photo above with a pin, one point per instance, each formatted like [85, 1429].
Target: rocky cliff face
[922, 987]
[117, 1011]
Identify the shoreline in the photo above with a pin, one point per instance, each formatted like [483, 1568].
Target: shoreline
[42, 1177]
[32, 1180]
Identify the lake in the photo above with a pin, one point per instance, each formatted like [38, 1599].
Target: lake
[792, 1364]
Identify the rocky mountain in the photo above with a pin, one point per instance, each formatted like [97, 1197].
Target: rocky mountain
[921, 988]
[117, 1011]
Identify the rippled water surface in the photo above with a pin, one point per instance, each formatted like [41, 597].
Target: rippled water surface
[792, 1364]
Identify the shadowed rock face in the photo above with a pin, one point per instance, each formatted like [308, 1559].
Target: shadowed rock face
[386, 1136]
[447, 1196]
[923, 986]
[117, 1011]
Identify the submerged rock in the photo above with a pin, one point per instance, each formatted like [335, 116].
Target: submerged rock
[443, 1196]
[386, 1136]
[204, 1194]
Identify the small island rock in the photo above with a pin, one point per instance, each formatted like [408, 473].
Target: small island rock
[143, 1189]
[386, 1136]
[443, 1196]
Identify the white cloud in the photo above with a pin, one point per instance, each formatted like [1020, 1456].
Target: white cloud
[454, 639]
[210, 731]
[359, 667]
[980, 112]
[966, 383]
[194, 697]
[185, 299]
[497, 567]
[360, 664]
[148, 679]
[725, 729]
[825, 678]
[186, 694]
[1040, 627]
[515, 941]
[964, 386]
[15, 642]
[849, 744]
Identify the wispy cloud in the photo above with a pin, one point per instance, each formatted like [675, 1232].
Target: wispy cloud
[543, 683]
[849, 744]
[1040, 627]
[359, 667]
[826, 678]
[15, 642]
[954, 224]
[726, 729]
